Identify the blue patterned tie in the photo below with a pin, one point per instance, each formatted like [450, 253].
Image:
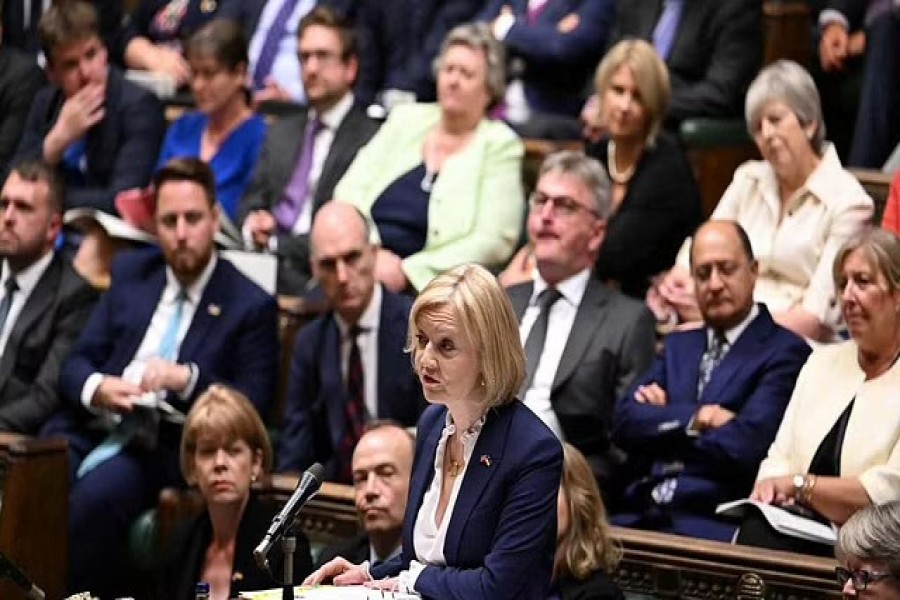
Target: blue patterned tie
[666, 27]
[135, 422]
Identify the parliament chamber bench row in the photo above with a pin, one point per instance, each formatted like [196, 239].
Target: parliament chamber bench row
[33, 534]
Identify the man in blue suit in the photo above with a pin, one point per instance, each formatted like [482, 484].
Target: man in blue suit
[170, 324]
[349, 365]
[699, 423]
[555, 46]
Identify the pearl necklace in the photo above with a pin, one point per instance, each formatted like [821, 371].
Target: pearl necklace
[614, 174]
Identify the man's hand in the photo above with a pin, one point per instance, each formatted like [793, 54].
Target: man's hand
[115, 394]
[170, 62]
[651, 394]
[833, 47]
[519, 269]
[79, 113]
[775, 490]
[271, 92]
[389, 270]
[162, 375]
[711, 416]
[262, 225]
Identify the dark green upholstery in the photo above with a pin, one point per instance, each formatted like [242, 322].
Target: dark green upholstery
[142, 543]
[710, 133]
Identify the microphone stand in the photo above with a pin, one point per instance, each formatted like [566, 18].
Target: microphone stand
[288, 547]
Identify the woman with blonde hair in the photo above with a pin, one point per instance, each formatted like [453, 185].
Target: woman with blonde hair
[224, 449]
[481, 515]
[586, 555]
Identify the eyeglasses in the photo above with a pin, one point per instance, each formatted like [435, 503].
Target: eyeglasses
[562, 206]
[860, 578]
[322, 56]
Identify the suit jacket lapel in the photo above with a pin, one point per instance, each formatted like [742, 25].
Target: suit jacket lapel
[519, 296]
[288, 155]
[588, 323]
[738, 356]
[421, 480]
[208, 312]
[333, 392]
[491, 443]
[36, 307]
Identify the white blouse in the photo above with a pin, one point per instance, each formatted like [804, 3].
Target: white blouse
[428, 535]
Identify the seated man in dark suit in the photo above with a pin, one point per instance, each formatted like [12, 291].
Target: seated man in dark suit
[172, 323]
[348, 365]
[697, 425]
[713, 48]
[45, 303]
[382, 463]
[102, 131]
[584, 342]
[305, 155]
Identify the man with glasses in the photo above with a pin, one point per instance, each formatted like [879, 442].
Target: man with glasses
[697, 425]
[306, 154]
[584, 342]
[349, 365]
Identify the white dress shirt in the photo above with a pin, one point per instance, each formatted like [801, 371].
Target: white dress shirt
[286, 69]
[26, 279]
[429, 535]
[559, 325]
[368, 349]
[159, 324]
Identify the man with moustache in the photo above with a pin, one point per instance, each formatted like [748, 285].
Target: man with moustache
[101, 131]
[306, 154]
[697, 425]
[349, 365]
[382, 463]
[172, 323]
[584, 342]
[45, 303]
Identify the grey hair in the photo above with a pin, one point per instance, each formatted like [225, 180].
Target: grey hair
[478, 36]
[588, 171]
[790, 83]
[872, 533]
[882, 249]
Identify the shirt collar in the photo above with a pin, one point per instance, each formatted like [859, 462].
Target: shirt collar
[333, 117]
[572, 289]
[195, 290]
[28, 277]
[370, 317]
[732, 335]
[373, 556]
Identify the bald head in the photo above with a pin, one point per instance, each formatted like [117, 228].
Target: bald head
[342, 259]
[724, 273]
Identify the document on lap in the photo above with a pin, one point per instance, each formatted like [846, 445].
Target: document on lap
[783, 521]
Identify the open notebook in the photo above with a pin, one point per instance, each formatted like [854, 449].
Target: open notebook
[783, 521]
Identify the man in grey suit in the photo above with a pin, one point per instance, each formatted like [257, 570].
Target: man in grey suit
[305, 155]
[44, 301]
[584, 342]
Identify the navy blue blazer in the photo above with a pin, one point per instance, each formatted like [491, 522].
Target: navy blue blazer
[501, 537]
[314, 420]
[754, 380]
[121, 149]
[233, 337]
[559, 65]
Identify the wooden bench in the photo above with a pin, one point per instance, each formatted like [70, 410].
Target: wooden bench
[877, 184]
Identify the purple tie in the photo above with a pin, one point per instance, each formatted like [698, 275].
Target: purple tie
[269, 49]
[664, 33]
[291, 205]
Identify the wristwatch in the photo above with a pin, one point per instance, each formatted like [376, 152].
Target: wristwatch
[799, 482]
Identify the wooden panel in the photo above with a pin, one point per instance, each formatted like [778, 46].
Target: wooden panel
[877, 184]
[714, 168]
[34, 512]
[293, 313]
[787, 32]
[668, 566]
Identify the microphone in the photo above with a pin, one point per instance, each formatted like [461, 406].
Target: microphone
[308, 486]
[9, 569]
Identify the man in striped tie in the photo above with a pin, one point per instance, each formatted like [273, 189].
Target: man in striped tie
[173, 322]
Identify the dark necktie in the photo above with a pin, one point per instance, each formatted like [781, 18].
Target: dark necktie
[288, 209]
[11, 287]
[534, 344]
[269, 50]
[355, 408]
[710, 360]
